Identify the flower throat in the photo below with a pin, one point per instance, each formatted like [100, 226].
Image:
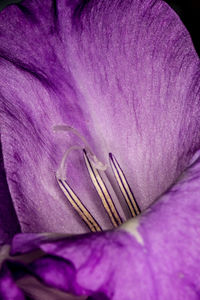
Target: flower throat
[96, 170]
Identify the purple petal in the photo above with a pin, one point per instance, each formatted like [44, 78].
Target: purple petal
[125, 74]
[37, 291]
[160, 260]
[170, 234]
[55, 272]
[139, 74]
[8, 287]
[19, 276]
[32, 151]
[86, 265]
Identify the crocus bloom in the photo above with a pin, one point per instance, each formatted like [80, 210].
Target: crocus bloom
[99, 99]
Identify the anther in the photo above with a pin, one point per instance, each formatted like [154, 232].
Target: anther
[102, 192]
[79, 206]
[124, 186]
[68, 192]
[100, 181]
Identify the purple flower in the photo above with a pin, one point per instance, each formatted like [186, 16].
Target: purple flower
[99, 121]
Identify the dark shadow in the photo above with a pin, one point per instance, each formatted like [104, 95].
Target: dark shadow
[4, 3]
[98, 296]
[9, 224]
[189, 12]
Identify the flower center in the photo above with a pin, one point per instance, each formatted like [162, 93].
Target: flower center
[97, 172]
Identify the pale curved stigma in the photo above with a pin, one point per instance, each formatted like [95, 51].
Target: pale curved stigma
[103, 192]
[97, 163]
[124, 186]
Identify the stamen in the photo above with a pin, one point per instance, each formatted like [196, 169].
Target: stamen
[124, 186]
[102, 191]
[61, 178]
[101, 183]
[79, 207]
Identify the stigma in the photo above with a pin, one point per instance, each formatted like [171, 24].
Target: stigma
[99, 179]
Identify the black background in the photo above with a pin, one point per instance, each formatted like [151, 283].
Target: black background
[189, 12]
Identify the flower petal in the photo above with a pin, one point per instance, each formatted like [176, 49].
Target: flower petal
[160, 260]
[37, 291]
[170, 232]
[36, 96]
[140, 76]
[104, 68]
[8, 288]
[87, 265]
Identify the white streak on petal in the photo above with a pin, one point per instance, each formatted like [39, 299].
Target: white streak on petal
[131, 226]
